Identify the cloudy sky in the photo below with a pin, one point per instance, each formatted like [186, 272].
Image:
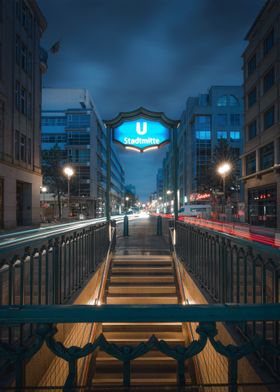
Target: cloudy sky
[152, 53]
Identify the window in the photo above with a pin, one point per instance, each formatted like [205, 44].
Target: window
[53, 120]
[233, 101]
[268, 42]
[29, 106]
[268, 118]
[234, 135]
[17, 50]
[252, 97]
[221, 134]
[23, 56]
[17, 95]
[203, 135]
[268, 80]
[235, 120]
[252, 64]
[29, 64]
[251, 163]
[252, 130]
[78, 120]
[267, 156]
[222, 120]
[222, 101]
[23, 100]
[24, 15]
[29, 151]
[17, 145]
[23, 148]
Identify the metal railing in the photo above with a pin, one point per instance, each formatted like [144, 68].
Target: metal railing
[51, 269]
[233, 270]
[44, 317]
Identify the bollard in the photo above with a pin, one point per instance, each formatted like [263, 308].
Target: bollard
[159, 225]
[125, 226]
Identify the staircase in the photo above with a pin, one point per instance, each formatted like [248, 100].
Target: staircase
[138, 279]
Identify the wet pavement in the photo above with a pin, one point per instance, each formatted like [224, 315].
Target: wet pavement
[142, 239]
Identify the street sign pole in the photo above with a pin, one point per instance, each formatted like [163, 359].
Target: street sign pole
[175, 176]
[108, 174]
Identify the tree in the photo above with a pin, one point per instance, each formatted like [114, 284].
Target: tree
[52, 168]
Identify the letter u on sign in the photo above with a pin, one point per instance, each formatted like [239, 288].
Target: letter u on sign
[138, 128]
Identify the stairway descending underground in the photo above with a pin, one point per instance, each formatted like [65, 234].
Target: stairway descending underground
[141, 279]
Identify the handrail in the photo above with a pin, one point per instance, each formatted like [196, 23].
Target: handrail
[46, 314]
[99, 299]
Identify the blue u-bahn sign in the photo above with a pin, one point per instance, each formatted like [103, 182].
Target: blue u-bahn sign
[141, 129]
[141, 134]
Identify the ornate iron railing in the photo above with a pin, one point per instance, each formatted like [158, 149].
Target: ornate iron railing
[231, 269]
[45, 318]
[50, 270]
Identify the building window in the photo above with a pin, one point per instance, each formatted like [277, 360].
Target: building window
[17, 96]
[267, 156]
[17, 145]
[50, 121]
[252, 65]
[23, 100]
[268, 80]
[222, 120]
[252, 129]
[232, 101]
[251, 163]
[203, 135]
[17, 50]
[23, 148]
[252, 97]
[29, 106]
[268, 118]
[221, 134]
[234, 135]
[268, 42]
[23, 56]
[29, 151]
[235, 120]
[222, 101]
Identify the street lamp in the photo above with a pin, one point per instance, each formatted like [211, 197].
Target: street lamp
[44, 190]
[224, 170]
[68, 171]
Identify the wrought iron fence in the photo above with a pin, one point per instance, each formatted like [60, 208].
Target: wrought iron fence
[45, 318]
[50, 270]
[234, 270]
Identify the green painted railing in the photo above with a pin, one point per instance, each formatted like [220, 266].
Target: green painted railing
[44, 319]
[235, 270]
[51, 269]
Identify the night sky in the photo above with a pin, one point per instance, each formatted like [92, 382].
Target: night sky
[151, 53]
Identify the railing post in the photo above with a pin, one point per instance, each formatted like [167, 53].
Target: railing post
[56, 277]
[159, 225]
[232, 375]
[125, 226]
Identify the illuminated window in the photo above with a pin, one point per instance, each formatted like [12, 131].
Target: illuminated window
[232, 100]
[222, 101]
[203, 135]
[234, 135]
[221, 134]
[227, 100]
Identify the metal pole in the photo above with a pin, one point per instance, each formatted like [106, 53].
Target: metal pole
[108, 173]
[68, 195]
[224, 192]
[175, 177]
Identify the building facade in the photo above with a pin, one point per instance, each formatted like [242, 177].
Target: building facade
[206, 120]
[22, 62]
[71, 122]
[261, 159]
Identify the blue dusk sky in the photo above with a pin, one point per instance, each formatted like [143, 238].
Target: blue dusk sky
[151, 53]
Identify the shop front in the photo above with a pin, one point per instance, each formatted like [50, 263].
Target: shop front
[262, 206]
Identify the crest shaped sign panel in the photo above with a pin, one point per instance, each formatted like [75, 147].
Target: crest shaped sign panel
[141, 129]
[141, 134]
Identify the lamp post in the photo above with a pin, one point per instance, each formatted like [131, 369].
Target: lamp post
[68, 171]
[44, 190]
[224, 169]
[169, 192]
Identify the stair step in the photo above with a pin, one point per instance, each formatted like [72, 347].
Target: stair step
[142, 262]
[141, 278]
[142, 300]
[141, 257]
[151, 355]
[143, 335]
[142, 270]
[151, 327]
[139, 379]
[141, 289]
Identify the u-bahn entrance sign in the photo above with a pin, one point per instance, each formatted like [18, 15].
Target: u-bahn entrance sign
[141, 130]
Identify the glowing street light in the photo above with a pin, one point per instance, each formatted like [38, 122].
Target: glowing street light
[69, 172]
[224, 169]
